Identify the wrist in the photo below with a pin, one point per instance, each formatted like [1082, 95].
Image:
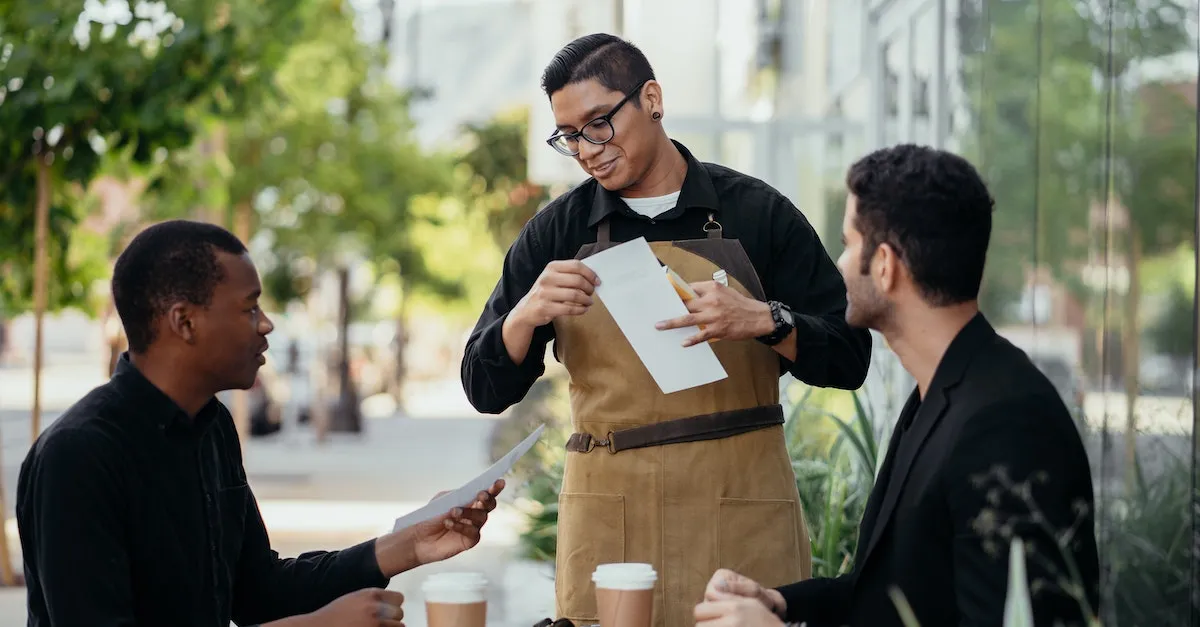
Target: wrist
[764, 322]
[396, 553]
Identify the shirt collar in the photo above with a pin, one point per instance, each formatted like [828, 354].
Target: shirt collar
[697, 191]
[152, 402]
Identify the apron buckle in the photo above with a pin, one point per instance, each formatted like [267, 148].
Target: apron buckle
[585, 443]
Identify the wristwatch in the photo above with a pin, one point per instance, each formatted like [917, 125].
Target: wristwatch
[784, 323]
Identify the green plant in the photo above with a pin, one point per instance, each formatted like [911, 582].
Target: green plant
[1149, 548]
[835, 461]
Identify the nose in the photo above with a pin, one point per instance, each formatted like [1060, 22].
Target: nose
[588, 150]
[265, 326]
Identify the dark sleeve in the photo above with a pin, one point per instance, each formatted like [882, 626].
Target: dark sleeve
[1020, 468]
[491, 380]
[268, 588]
[73, 527]
[819, 602]
[802, 276]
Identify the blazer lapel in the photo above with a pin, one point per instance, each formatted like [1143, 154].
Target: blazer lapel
[928, 416]
[948, 374]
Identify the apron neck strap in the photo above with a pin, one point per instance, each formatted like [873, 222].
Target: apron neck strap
[712, 229]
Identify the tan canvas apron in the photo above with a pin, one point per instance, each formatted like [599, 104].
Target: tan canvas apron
[725, 499]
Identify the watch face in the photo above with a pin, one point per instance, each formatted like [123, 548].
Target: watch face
[786, 314]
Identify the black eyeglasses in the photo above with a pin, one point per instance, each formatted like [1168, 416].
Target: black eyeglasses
[599, 131]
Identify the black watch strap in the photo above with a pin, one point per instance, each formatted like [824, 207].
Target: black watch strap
[782, 316]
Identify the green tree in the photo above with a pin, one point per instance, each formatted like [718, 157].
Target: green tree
[75, 84]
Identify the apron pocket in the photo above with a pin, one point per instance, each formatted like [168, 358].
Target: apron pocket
[757, 538]
[591, 531]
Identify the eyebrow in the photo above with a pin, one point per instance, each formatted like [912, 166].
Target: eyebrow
[254, 295]
[590, 114]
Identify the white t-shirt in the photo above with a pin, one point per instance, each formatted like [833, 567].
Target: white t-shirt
[653, 207]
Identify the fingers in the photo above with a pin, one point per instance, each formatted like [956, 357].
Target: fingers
[574, 268]
[469, 515]
[385, 611]
[568, 295]
[712, 610]
[681, 322]
[704, 288]
[739, 585]
[554, 310]
[392, 597]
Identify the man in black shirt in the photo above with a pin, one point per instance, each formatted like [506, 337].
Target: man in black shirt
[133, 507]
[691, 479]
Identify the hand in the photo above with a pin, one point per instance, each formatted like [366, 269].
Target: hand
[366, 608]
[726, 584]
[724, 313]
[455, 531]
[437, 539]
[735, 611]
[564, 288]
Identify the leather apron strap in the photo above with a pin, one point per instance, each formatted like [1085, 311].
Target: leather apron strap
[714, 426]
[712, 229]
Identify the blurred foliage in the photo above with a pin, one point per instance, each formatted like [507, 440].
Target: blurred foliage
[1050, 147]
[113, 79]
[1150, 551]
[327, 169]
[497, 183]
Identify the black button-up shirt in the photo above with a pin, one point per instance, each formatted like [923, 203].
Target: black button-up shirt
[792, 265]
[132, 513]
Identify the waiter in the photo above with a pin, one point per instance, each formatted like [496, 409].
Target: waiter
[700, 478]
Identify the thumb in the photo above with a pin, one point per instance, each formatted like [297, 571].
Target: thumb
[737, 585]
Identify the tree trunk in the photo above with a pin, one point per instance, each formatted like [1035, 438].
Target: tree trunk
[347, 416]
[41, 267]
[241, 398]
[1132, 355]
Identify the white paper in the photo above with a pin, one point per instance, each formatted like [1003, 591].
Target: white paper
[465, 495]
[637, 293]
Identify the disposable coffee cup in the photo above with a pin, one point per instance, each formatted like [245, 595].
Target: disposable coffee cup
[455, 600]
[625, 594]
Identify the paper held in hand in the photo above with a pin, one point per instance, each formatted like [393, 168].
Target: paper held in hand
[465, 495]
[638, 294]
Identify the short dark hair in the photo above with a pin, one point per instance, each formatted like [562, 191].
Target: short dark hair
[934, 209]
[610, 60]
[167, 263]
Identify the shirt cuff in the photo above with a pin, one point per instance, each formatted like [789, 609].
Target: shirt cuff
[811, 331]
[368, 570]
[494, 354]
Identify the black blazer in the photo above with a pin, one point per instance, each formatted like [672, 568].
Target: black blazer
[991, 451]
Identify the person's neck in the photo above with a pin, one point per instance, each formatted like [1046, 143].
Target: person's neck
[921, 336]
[665, 175]
[166, 371]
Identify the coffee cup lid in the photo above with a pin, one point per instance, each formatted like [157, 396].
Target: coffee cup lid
[631, 576]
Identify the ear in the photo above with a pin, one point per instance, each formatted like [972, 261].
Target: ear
[181, 323]
[652, 98]
[886, 268]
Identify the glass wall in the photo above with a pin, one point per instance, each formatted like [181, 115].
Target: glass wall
[1081, 114]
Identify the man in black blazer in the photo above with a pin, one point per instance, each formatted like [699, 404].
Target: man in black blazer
[984, 450]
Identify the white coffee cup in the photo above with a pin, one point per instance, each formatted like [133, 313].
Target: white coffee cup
[625, 594]
[455, 599]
